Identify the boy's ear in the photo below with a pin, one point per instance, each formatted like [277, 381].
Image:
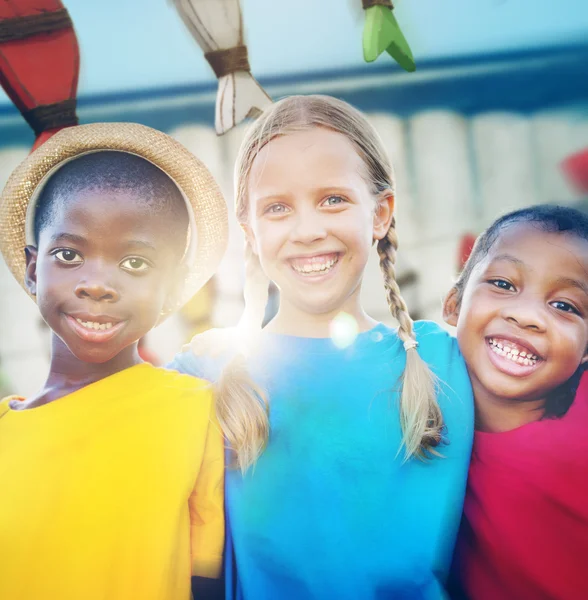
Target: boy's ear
[384, 214]
[30, 278]
[250, 237]
[584, 358]
[451, 308]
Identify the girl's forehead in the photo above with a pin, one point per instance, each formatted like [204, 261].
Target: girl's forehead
[533, 245]
[303, 156]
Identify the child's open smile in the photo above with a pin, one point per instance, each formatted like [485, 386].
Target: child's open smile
[104, 266]
[522, 323]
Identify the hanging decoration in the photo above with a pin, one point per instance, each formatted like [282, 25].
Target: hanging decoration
[576, 169]
[217, 26]
[39, 63]
[381, 33]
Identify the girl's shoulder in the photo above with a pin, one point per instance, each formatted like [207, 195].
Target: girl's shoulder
[203, 367]
[434, 338]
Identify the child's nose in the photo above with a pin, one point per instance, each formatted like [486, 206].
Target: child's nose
[308, 228]
[97, 290]
[526, 314]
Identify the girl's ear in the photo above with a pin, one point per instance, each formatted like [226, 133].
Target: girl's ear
[250, 237]
[451, 307]
[384, 214]
[585, 358]
[30, 279]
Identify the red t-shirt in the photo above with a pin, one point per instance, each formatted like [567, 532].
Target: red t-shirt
[525, 533]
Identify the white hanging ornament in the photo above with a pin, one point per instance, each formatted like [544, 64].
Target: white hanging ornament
[217, 26]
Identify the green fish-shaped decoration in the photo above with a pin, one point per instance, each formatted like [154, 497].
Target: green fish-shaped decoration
[382, 32]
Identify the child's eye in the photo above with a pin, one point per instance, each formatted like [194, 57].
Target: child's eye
[565, 307]
[334, 201]
[69, 257]
[502, 284]
[135, 264]
[276, 209]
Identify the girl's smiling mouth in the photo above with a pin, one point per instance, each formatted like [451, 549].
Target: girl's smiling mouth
[513, 357]
[318, 264]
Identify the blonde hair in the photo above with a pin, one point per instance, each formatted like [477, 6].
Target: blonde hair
[242, 406]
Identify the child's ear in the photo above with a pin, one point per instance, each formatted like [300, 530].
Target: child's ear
[250, 237]
[585, 358]
[384, 214]
[451, 307]
[30, 279]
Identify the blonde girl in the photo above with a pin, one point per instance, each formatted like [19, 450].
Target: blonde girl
[352, 457]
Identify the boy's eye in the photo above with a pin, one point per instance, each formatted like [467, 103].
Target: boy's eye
[334, 201]
[565, 307]
[135, 264]
[68, 256]
[502, 284]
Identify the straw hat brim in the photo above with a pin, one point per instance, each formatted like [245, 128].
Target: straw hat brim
[209, 221]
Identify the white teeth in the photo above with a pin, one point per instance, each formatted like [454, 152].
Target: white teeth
[316, 267]
[94, 325]
[518, 356]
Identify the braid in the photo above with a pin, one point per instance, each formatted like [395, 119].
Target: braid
[241, 405]
[255, 291]
[420, 416]
[387, 252]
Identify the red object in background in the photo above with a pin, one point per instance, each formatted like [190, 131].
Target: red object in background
[39, 63]
[465, 249]
[525, 535]
[576, 168]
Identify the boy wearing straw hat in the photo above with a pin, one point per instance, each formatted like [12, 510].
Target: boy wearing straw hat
[112, 474]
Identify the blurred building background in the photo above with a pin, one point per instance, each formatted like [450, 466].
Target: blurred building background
[499, 99]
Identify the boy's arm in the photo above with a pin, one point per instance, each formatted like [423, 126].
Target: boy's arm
[207, 523]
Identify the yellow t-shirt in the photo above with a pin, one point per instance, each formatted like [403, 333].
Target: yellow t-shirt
[114, 492]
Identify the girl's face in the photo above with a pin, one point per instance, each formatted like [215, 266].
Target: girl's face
[522, 324]
[313, 220]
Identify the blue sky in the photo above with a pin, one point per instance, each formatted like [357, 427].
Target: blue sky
[134, 44]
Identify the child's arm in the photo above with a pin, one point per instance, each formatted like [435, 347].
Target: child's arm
[207, 525]
[204, 588]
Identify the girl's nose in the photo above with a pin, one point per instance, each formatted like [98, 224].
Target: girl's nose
[526, 313]
[309, 227]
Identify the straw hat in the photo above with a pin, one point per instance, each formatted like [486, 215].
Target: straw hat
[206, 205]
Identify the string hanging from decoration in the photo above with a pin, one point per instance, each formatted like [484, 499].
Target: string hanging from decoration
[39, 64]
[217, 26]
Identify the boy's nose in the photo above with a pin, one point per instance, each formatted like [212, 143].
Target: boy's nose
[96, 290]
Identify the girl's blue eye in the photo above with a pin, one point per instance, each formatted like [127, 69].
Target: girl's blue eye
[502, 284]
[565, 307]
[334, 201]
[70, 257]
[135, 264]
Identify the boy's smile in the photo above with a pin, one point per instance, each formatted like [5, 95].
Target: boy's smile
[102, 272]
[522, 323]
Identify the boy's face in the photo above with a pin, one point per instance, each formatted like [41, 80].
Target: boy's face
[105, 268]
[522, 324]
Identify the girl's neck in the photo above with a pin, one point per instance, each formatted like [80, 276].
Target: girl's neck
[68, 374]
[291, 321]
[497, 415]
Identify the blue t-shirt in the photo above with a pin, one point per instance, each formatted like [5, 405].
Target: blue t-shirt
[330, 510]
